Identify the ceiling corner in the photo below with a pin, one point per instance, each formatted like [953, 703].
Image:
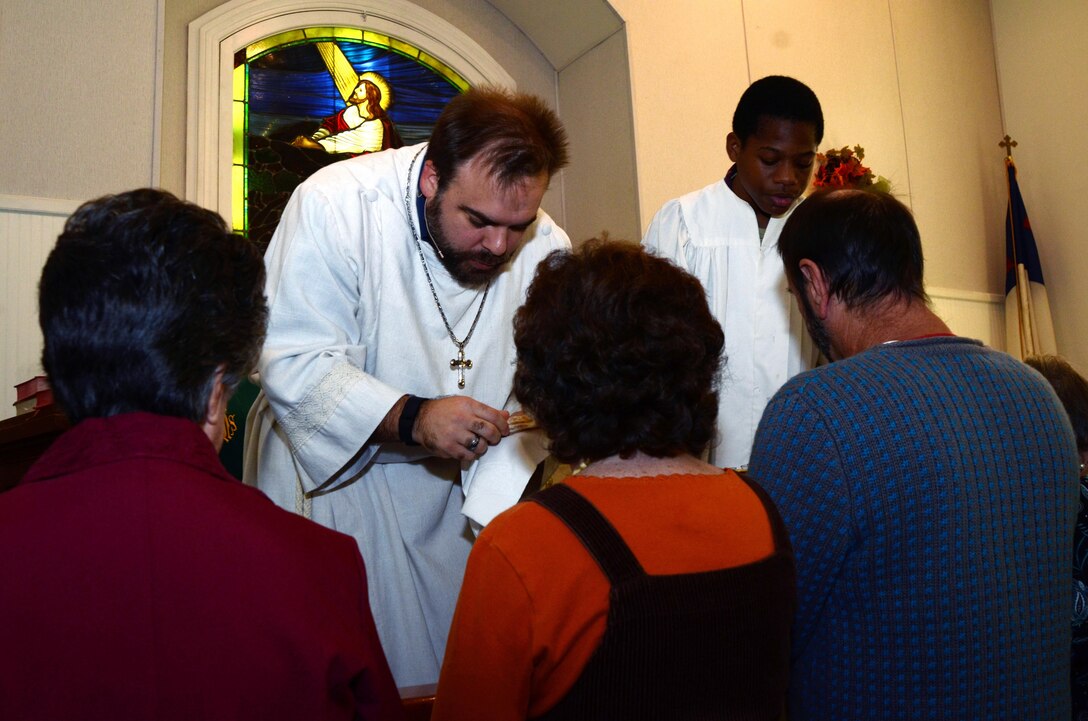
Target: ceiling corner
[563, 30]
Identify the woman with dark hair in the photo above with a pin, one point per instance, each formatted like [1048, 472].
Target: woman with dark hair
[650, 584]
[1072, 391]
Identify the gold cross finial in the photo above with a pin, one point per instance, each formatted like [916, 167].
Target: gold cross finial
[1008, 144]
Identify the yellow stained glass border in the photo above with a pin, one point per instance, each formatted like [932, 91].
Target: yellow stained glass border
[239, 177]
[367, 37]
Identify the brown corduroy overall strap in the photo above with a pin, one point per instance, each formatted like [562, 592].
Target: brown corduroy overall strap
[709, 645]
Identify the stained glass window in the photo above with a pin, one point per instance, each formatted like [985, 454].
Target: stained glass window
[306, 98]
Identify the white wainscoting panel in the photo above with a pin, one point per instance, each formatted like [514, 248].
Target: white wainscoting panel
[972, 314]
[28, 231]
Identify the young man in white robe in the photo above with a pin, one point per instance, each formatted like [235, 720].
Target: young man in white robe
[726, 235]
[386, 377]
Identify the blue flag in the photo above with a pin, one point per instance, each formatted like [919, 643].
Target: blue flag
[1019, 240]
[1028, 327]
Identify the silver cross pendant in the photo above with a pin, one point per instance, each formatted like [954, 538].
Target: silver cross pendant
[460, 364]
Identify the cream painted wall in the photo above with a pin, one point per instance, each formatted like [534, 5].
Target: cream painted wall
[1042, 61]
[680, 130]
[912, 81]
[951, 119]
[77, 88]
[601, 181]
[98, 63]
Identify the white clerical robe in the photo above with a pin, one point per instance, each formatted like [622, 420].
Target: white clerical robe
[353, 326]
[714, 235]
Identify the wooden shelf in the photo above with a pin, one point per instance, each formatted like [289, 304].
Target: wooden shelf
[24, 438]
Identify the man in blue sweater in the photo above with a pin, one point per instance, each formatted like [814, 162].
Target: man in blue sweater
[929, 485]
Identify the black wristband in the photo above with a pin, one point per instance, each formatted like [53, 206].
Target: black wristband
[408, 419]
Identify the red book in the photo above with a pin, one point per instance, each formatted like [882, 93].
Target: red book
[26, 389]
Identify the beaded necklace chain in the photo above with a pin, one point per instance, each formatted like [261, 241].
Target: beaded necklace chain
[460, 363]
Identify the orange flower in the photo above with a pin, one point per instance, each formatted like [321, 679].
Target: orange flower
[842, 168]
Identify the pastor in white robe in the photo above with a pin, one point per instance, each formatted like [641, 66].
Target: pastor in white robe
[714, 235]
[353, 327]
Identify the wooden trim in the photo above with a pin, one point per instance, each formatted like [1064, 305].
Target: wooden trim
[24, 438]
[417, 701]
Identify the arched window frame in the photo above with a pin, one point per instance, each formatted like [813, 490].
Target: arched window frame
[217, 35]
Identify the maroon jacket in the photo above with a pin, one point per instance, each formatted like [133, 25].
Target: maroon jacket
[139, 580]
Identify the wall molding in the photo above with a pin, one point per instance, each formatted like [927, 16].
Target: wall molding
[972, 313]
[973, 296]
[37, 206]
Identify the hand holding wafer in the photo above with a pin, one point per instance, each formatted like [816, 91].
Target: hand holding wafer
[521, 421]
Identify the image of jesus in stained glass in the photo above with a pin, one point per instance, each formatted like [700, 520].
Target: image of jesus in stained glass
[363, 126]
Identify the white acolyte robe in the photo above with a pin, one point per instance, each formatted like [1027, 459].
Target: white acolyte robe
[353, 326]
[714, 235]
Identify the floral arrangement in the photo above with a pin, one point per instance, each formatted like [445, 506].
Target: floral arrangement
[842, 168]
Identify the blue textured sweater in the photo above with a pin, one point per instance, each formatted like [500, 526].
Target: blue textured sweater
[930, 489]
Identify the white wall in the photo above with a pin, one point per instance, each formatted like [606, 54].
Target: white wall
[911, 80]
[1042, 60]
[77, 89]
[98, 64]
[29, 228]
[601, 182]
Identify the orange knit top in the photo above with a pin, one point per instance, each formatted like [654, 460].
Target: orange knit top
[534, 603]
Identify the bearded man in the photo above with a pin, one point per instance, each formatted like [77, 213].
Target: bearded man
[387, 374]
[929, 485]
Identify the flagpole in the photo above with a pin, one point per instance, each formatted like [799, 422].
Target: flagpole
[1017, 266]
[1023, 269]
[1028, 346]
[1023, 297]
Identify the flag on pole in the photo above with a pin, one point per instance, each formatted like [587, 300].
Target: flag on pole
[1028, 328]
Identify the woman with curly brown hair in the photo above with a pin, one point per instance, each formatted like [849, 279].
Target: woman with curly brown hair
[651, 584]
